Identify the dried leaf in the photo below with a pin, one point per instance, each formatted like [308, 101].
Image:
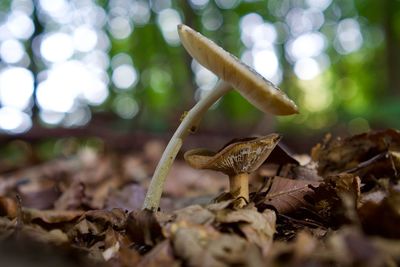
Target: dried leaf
[160, 255]
[115, 218]
[281, 155]
[308, 172]
[257, 227]
[22, 250]
[348, 247]
[201, 245]
[94, 225]
[338, 155]
[8, 207]
[72, 198]
[144, 228]
[285, 195]
[50, 216]
[38, 194]
[195, 214]
[382, 218]
[129, 198]
[336, 199]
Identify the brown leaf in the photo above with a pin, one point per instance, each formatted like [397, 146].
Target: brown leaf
[349, 247]
[143, 228]
[382, 218]
[8, 207]
[50, 216]
[112, 244]
[201, 245]
[338, 155]
[72, 198]
[129, 198]
[285, 195]
[336, 199]
[115, 218]
[94, 225]
[195, 214]
[127, 257]
[47, 249]
[281, 155]
[297, 172]
[257, 227]
[10, 229]
[38, 194]
[160, 255]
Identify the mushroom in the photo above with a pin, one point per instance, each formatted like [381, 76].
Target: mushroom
[233, 73]
[237, 160]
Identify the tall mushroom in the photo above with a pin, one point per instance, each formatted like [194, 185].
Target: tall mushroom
[236, 160]
[233, 74]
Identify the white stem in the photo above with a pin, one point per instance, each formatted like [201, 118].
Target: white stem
[188, 124]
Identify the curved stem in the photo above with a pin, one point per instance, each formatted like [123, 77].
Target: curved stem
[188, 124]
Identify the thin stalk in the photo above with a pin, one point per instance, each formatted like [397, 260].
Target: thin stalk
[188, 124]
[239, 186]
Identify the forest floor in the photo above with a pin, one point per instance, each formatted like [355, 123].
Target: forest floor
[337, 206]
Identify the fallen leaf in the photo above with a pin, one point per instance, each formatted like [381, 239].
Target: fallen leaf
[8, 207]
[336, 199]
[38, 194]
[257, 227]
[160, 255]
[72, 198]
[382, 218]
[115, 218]
[338, 155]
[143, 228]
[93, 226]
[201, 245]
[281, 155]
[49, 216]
[195, 214]
[285, 195]
[297, 172]
[129, 198]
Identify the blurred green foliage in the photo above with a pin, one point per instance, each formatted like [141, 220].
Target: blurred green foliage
[355, 85]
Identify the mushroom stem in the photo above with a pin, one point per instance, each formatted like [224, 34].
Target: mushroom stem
[188, 124]
[239, 186]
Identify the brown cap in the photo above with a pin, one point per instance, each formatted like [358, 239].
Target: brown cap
[242, 156]
[251, 85]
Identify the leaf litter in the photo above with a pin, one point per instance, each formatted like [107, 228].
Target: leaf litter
[339, 207]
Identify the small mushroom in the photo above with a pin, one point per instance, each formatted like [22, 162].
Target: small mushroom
[236, 160]
[234, 74]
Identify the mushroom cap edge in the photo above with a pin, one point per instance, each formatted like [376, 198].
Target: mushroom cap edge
[251, 85]
[238, 157]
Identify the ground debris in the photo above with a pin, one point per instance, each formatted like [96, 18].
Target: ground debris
[340, 206]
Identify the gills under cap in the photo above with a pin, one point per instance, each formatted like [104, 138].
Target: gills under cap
[251, 85]
[241, 156]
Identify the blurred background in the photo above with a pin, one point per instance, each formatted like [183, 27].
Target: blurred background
[116, 70]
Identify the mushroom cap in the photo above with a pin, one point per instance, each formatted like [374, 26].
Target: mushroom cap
[242, 156]
[251, 85]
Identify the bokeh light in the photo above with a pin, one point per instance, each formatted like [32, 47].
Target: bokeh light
[16, 87]
[120, 27]
[57, 47]
[348, 38]
[167, 20]
[14, 121]
[124, 76]
[84, 38]
[11, 51]
[20, 25]
[62, 57]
